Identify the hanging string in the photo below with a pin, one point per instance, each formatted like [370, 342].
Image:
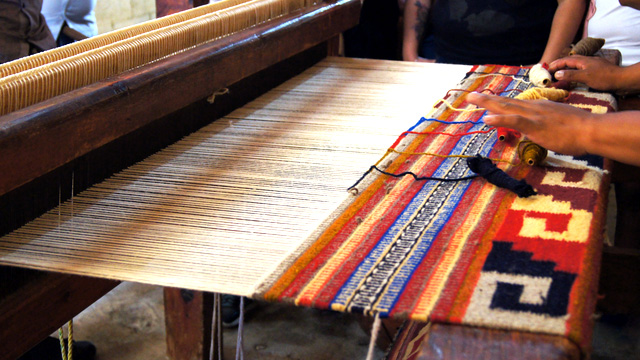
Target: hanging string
[70, 340]
[239, 343]
[374, 336]
[216, 328]
[66, 350]
[63, 348]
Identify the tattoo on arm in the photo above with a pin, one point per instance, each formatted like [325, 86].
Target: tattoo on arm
[421, 21]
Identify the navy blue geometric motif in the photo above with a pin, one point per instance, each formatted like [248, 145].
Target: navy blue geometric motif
[503, 259]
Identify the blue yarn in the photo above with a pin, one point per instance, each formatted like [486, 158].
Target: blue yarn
[451, 122]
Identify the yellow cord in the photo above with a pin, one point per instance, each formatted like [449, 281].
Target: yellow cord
[70, 340]
[62, 346]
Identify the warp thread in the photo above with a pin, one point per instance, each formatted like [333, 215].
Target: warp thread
[507, 135]
[587, 46]
[552, 94]
[488, 170]
[374, 336]
[216, 328]
[531, 153]
[540, 75]
[240, 340]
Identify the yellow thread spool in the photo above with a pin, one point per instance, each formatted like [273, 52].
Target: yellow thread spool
[552, 94]
[532, 153]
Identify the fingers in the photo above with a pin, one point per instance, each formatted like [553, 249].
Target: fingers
[515, 122]
[570, 75]
[572, 62]
[499, 105]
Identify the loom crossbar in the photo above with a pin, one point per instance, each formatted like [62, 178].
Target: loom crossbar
[44, 136]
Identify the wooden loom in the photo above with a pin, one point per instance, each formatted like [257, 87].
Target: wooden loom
[194, 71]
[95, 128]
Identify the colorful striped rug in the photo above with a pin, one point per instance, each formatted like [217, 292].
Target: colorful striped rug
[463, 251]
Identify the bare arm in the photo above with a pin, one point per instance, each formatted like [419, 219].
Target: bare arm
[597, 73]
[566, 129]
[566, 22]
[631, 3]
[415, 23]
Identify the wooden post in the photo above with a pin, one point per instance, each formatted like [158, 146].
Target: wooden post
[188, 316]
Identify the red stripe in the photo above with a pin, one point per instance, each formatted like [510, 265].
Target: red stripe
[331, 289]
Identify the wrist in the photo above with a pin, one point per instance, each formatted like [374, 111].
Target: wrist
[625, 79]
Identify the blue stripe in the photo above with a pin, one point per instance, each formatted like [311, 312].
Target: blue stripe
[370, 261]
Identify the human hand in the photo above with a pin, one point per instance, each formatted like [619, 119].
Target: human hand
[595, 72]
[555, 126]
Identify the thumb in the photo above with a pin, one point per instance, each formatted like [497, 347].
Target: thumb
[569, 75]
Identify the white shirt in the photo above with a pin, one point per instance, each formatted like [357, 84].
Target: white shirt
[619, 26]
[79, 15]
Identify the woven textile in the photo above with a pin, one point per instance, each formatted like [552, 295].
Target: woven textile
[463, 251]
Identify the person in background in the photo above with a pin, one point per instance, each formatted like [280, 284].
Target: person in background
[491, 31]
[618, 25]
[77, 15]
[23, 30]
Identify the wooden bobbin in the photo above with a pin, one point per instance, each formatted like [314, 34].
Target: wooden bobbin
[532, 153]
[587, 46]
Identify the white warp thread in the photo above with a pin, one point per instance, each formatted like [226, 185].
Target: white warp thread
[374, 336]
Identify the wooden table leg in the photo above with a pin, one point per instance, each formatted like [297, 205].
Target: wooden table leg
[188, 317]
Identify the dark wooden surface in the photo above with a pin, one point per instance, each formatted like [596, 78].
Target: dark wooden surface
[36, 308]
[463, 342]
[45, 136]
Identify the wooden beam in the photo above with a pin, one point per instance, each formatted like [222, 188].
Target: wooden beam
[44, 303]
[42, 137]
[445, 341]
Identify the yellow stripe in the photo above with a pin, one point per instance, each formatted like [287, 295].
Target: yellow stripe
[432, 292]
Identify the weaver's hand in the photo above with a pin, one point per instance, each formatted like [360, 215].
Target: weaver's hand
[555, 126]
[596, 72]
